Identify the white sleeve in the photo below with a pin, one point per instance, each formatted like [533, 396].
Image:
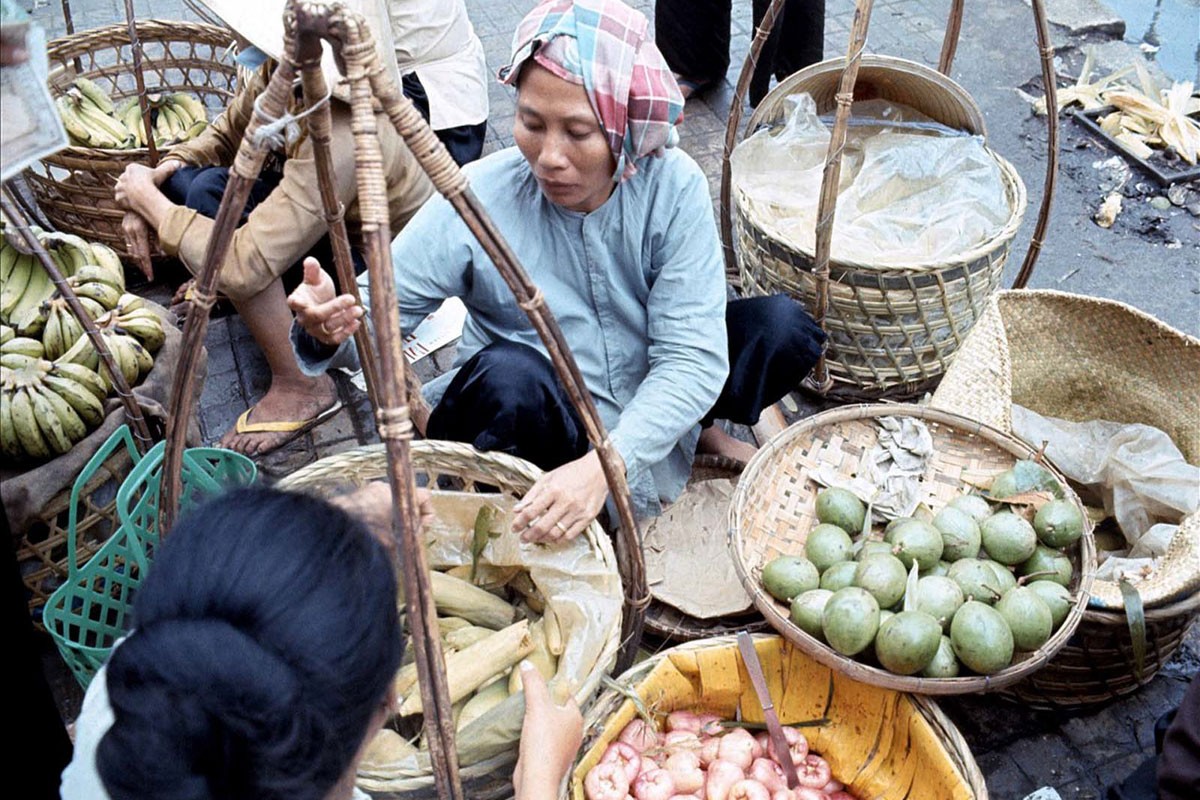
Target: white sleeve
[81, 780]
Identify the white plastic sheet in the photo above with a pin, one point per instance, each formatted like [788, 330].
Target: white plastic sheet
[911, 191]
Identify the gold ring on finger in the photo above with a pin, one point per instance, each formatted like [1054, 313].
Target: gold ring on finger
[561, 527]
[324, 329]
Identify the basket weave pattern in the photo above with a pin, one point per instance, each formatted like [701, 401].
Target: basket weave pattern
[881, 743]
[1082, 358]
[774, 509]
[438, 463]
[74, 187]
[42, 552]
[893, 330]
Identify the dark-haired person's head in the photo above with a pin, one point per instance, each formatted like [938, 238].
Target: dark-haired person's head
[265, 639]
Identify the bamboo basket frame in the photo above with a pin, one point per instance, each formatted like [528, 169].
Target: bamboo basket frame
[305, 26]
[977, 449]
[185, 56]
[471, 468]
[614, 704]
[820, 381]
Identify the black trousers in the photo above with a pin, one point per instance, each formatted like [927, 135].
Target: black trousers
[465, 142]
[507, 396]
[693, 36]
[201, 188]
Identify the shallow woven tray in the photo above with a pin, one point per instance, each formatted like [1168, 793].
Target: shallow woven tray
[882, 744]
[469, 470]
[774, 509]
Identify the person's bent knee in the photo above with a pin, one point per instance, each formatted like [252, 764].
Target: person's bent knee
[514, 371]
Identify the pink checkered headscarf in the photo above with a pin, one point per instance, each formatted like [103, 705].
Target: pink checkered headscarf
[603, 45]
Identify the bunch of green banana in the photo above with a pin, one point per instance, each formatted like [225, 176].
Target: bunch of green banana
[46, 407]
[174, 118]
[24, 284]
[132, 359]
[89, 122]
[23, 345]
[141, 323]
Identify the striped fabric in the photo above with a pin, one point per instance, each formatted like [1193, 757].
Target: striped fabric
[628, 83]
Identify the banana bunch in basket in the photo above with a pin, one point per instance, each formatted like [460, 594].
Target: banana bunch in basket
[52, 382]
[93, 120]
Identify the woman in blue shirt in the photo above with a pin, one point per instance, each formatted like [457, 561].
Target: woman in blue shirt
[616, 227]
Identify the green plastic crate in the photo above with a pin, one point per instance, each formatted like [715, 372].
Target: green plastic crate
[88, 613]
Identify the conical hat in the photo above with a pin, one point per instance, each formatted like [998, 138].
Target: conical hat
[260, 22]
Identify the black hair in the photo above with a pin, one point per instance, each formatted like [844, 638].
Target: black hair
[265, 637]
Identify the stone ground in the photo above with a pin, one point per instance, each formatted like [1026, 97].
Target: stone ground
[1148, 259]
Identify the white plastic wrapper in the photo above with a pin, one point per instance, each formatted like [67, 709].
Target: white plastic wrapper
[1135, 470]
[584, 592]
[912, 191]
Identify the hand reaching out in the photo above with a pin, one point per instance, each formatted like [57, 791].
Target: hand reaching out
[550, 738]
[326, 316]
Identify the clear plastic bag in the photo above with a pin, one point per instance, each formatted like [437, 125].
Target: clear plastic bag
[1136, 471]
[911, 190]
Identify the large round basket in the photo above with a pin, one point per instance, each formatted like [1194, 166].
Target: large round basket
[74, 187]
[1084, 358]
[880, 743]
[465, 469]
[774, 509]
[893, 330]
[671, 624]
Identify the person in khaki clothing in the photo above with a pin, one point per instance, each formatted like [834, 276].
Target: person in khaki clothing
[285, 222]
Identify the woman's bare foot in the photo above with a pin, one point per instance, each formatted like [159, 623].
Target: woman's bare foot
[298, 403]
[715, 441]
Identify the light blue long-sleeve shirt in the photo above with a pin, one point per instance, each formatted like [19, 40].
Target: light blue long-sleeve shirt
[637, 287]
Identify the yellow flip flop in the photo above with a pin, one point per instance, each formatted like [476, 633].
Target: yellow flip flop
[293, 427]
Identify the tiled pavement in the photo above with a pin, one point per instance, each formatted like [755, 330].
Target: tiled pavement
[1017, 749]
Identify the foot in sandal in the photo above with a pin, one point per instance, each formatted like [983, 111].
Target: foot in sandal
[715, 441]
[288, 409]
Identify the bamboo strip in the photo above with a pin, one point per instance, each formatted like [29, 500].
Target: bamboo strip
[827, 205]
[732, 274]
[135, 48]
[133, 412]
[320, 125]
[950, 42]
[1046, 50]
[305, 25]
[242, 175]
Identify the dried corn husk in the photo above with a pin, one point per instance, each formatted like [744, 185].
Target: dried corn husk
[386, 748]
[484, 701]
[482, 662]
[1109, 210]
[1084, 92]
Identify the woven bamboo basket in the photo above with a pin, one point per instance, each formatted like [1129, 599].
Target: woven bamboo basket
[1082, 358]
[881, 743]
[74, 187]
[43, 554]
[671, 624]
[466, 469]
[893, 330]
[774, 509]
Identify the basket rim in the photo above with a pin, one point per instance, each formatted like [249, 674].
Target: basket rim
[999, 240]
[449, 456]
[877, 675]
[949, 737]
[70, 46]
[871, 61]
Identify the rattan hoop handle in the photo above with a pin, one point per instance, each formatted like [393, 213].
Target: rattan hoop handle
[135, 49]
[950, 40]
[133, 412]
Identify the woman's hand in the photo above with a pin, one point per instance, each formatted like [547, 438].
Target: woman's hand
[137, 242]
[327, 317]
[563, 501]
[550, 738]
